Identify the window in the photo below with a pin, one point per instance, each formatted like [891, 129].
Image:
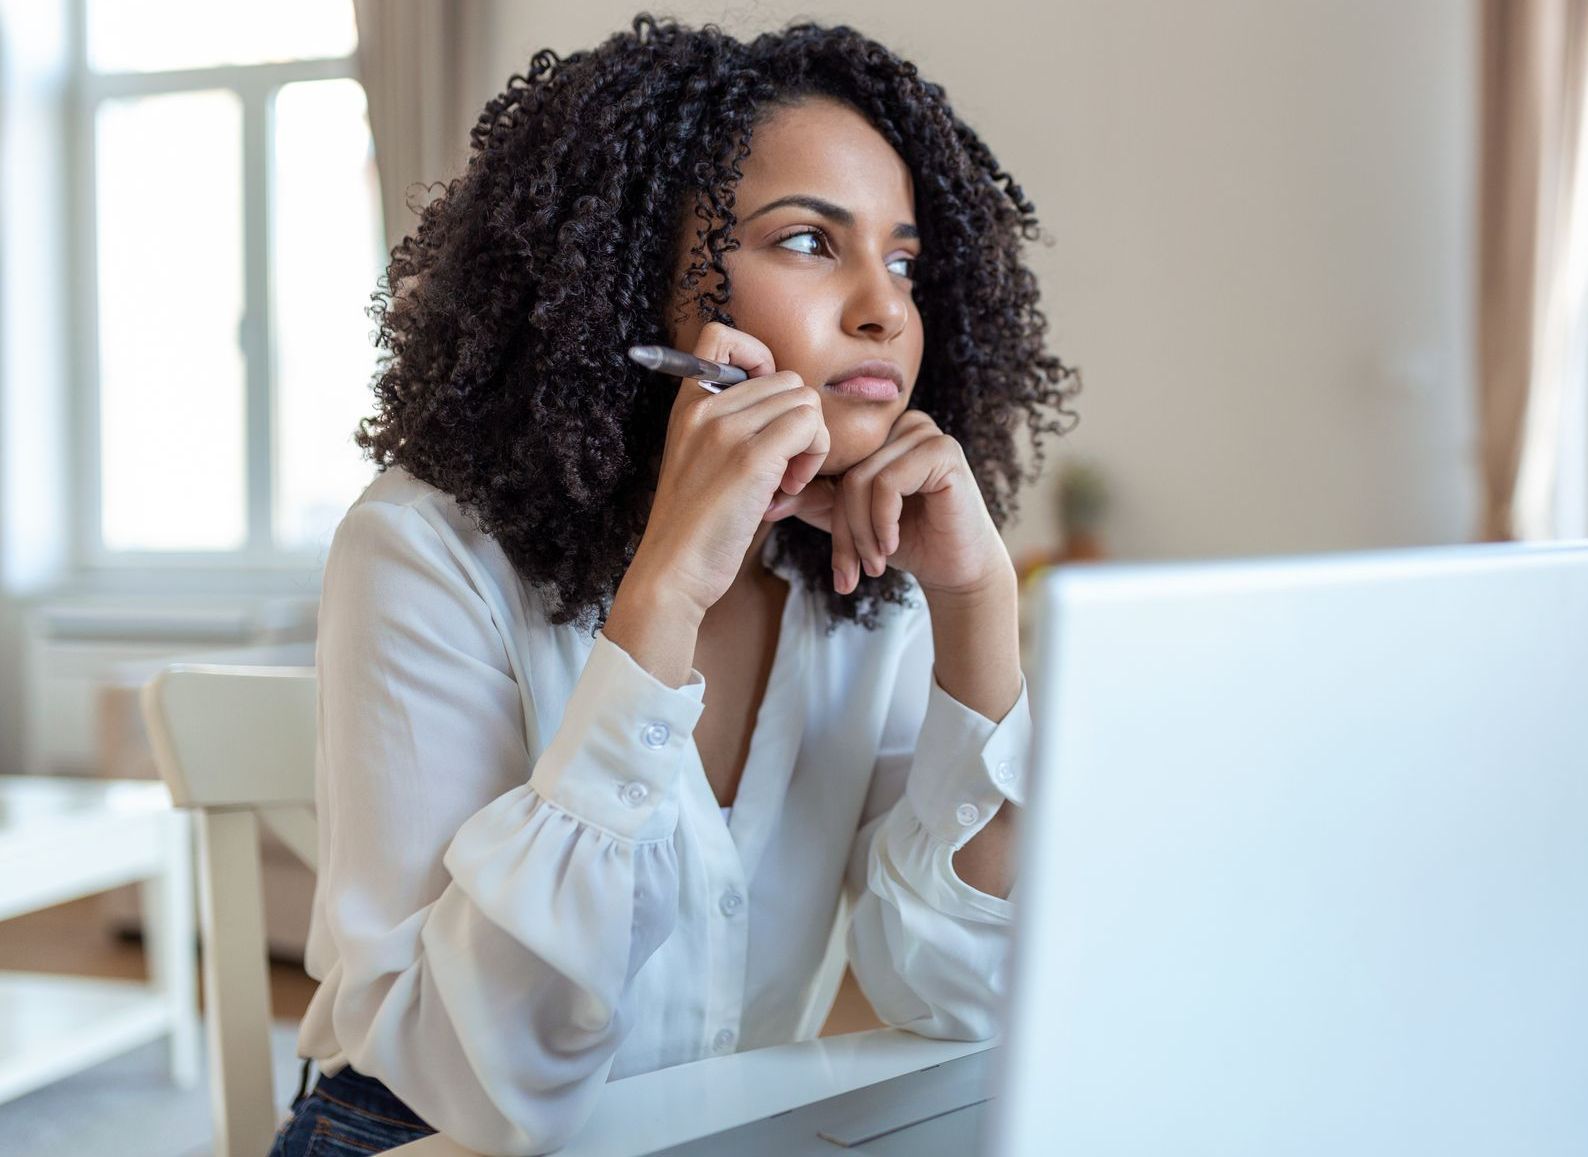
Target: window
[230, 240]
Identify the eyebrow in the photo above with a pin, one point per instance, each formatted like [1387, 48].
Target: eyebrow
[827, 209]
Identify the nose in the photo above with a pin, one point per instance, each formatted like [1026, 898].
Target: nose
[878, 302]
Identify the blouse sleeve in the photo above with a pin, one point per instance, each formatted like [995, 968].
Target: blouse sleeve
[488, 912]
[930, 952]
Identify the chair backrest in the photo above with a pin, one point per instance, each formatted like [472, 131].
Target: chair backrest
[236, 745]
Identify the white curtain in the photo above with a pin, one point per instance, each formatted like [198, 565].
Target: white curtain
[410, 61]
[1533, 324]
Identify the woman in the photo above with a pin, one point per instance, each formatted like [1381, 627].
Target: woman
[624, 683]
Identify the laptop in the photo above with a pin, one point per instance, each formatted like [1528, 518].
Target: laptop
[1304, 870]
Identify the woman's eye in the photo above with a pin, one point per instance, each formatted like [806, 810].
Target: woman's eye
[821, 241]
[811, 233]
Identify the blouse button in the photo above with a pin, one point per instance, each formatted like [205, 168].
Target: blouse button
[655, 735]
[1004, 772]
[723, 1040]
[633, 793]
[730, 902]
[967, 814]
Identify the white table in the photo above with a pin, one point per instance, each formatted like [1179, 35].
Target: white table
[651, 1111]
[62, 838]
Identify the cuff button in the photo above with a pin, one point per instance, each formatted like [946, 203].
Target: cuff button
[967, 814]
[655, 735]
[1004, 772]
[633, 793]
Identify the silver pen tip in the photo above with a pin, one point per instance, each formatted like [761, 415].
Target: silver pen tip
[648, 356]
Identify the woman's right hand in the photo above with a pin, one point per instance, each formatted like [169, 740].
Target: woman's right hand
[726, 457]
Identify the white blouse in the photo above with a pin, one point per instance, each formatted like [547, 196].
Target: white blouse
[527, 886]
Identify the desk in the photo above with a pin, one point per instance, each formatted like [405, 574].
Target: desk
[61, 838]
[651, 1111]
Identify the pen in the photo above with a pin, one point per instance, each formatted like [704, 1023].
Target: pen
[677, 363]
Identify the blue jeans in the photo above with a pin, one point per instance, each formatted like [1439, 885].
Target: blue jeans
[348, 1113]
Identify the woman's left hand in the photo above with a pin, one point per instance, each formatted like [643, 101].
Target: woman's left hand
[913, 503]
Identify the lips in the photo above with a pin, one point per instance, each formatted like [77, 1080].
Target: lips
[871, 368]
[873, 379]
[872, 389]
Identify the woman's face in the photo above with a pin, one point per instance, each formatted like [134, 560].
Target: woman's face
[825, 284]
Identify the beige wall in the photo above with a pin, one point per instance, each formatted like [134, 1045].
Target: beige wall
[1263, 258]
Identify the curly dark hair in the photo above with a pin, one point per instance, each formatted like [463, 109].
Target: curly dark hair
[507, 313]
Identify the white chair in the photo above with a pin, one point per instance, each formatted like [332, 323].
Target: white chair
[236, 745]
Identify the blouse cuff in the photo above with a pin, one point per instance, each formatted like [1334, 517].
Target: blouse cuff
[966, 765]
[615, 760]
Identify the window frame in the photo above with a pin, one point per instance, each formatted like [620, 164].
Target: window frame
[254, 85]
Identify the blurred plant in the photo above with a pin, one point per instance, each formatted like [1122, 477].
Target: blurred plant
[1083, 497]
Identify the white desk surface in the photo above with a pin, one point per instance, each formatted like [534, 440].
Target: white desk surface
[651, 1111]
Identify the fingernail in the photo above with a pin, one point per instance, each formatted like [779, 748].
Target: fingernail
[838, 580]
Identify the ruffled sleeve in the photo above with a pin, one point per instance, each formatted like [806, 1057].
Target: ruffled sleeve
[930, 952]
[488, 912]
